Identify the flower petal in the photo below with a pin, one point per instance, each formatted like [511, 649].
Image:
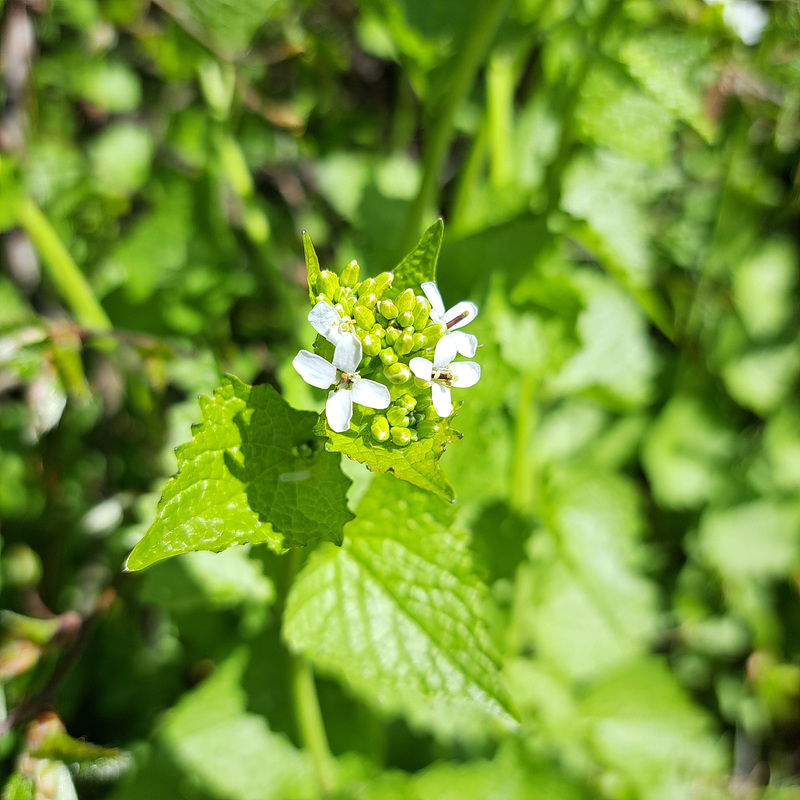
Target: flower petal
[466, 343]
[314, 369]
[465, 374]
[466, 310]
[434, 298]
[339, 410]
[347, 355]
[445, 352]
[325, 320]
[441, 400]
[370, 393]
[421, 367]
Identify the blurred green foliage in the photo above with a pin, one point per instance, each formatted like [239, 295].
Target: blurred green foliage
[619, 184]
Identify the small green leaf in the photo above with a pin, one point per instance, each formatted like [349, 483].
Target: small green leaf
[416, 462]
[420, 264]
[399, 615]
[252, 473]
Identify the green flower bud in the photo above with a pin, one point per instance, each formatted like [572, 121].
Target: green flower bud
[328, 283]
[371, 344]
[392, 335]
[432, 334]
[387, 308]
[405, 319]
[397, 416]
[342, 310]
[382, 283]
[417, 342]
[388, 356]
[367, 286]
[368, 300]
[343, 294]
[363, 317]
[408, 402]
[396, 373]
[428, 412]
[401, 436]
[427, 429]
[379, 428]
[349, 275]
[405, 300]
[421, 313]
[379, 330]
[404, 344]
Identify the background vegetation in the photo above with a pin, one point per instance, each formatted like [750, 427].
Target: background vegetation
[618, 181]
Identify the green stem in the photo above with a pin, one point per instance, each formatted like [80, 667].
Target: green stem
[500, 108]
[69, 281]
[467, 62]
[311, 724]
[308, 714]
[522, 489]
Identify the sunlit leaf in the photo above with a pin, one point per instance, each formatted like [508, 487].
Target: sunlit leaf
[253, 474]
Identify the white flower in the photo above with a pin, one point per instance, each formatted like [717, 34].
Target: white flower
[328, 322]
[350, 386]
[456, 317]
[442, 375]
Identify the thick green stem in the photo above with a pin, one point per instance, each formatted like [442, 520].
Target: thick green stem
[308, 714]
[466, 64]
[65, 274]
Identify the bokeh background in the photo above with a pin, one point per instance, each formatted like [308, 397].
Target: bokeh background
[619, 184]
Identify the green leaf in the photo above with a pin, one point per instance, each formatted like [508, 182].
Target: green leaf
[227, 750]
[420, 264]
[510, 775]
[687, 453]
[88, 758]
[120, 157]
[641, 723]
[589, 608]
[416, 462]
[756, 540]
[614, 112]
[252, 473]
[312, 268]
[668, 65]
[398, 615]
[763, 287]
[616, 364]
[110, 85]
[206, 580]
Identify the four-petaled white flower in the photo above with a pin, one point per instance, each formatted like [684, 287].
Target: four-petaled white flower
[443, 375]
[328, 322]
[456, 317]
[349, 388]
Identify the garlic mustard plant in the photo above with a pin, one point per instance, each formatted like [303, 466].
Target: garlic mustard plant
[350, 387]
[379, 411]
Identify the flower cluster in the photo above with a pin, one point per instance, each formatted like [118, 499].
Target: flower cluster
[393, 350]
